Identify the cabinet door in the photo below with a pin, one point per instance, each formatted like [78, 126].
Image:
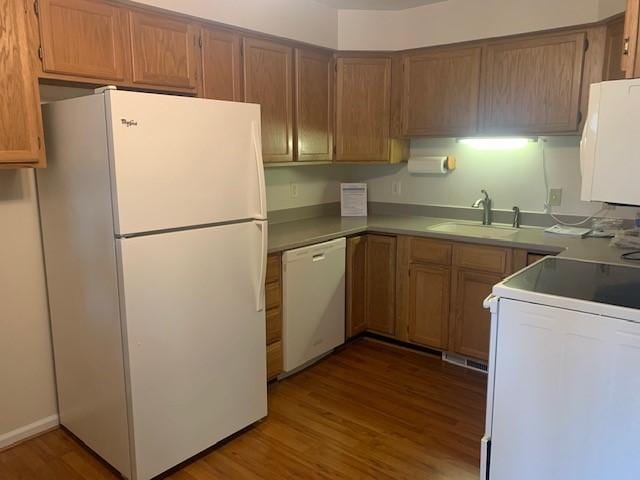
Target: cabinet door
[221, 65]
[533, 85]
[630, 39]
[429, 297]
[470, 322]
[20, 121]
[441, 92]
[381, 284]
[363, 109]
[356, 285]
[314, 105]
[613, 51]
[164, 51]
[86, 38]
[267, 81]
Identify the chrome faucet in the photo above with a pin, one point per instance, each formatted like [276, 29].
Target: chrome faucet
[516, 217]
[486, 205]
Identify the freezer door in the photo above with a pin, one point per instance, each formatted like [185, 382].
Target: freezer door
[179, 161]
[610, 156]
[195, 339]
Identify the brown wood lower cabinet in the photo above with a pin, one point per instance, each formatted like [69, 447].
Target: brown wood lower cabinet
[381, 284]
[273, 305]
[470, 322]
[356, 281]
[274, 360]
[429, 294]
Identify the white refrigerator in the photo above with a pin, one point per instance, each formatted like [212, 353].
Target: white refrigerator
[153, 217]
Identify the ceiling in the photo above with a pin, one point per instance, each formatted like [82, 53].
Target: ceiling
[376, 4]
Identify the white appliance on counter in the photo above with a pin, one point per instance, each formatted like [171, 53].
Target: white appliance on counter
[154, 226]
[563, 398]
[314, 302]
[609, 154]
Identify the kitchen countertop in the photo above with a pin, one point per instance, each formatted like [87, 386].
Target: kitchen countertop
[299, 233]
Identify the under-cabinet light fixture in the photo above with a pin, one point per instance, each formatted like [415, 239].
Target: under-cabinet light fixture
[497, 143]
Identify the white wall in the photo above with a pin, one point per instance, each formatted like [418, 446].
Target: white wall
[511, 177]
[461, 20]
[26, 365]
[315, 185]
[608, 8]
[303, 20]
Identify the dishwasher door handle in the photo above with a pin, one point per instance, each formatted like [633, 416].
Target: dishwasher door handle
[317, 257]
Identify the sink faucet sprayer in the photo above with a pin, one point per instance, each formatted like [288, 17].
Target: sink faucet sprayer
[485, 202]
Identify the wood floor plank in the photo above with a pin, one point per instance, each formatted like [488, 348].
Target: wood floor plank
[370, 411]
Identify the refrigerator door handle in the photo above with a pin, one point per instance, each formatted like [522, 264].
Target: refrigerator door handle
[260, 293]
[257, 153]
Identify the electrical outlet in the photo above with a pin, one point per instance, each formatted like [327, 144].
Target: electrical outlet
[555, 197]
[396, 188]
[293, 190]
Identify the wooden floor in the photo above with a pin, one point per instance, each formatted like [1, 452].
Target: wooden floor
[369, 411]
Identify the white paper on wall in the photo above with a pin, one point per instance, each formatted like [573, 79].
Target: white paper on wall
[353, 199]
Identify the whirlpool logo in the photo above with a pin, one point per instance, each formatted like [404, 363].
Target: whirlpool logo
[128, 123]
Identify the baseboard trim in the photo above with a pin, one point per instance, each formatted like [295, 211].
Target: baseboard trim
[26, 432]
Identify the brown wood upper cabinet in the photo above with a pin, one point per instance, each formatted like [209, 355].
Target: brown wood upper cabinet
[363, 112]
[533, 85]
[221, 64]
[268, 81]
[164, 51]
[441, 92]
[87, 38]
[630, 43]
[356, 281]
[21, 139]
[614, 46]
[314, 105]
[381, 283]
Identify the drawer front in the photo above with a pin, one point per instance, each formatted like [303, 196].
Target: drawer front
[482, 258]
[274, 325]
[274, 360]
[274, 267]
[273, 295]
[425, 250]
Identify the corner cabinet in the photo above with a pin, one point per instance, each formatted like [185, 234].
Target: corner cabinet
[533, 84]
[164, 51]
[441, 92]
[21, 137]
[313, 105]
[268, 82]
[363, 111]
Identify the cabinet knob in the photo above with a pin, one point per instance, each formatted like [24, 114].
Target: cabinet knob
[625, 50]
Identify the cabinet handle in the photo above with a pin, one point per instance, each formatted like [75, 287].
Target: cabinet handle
[625, 50]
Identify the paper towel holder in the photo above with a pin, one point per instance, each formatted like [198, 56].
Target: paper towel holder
[432, 165]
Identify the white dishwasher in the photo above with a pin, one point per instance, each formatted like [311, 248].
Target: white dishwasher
[314, 302]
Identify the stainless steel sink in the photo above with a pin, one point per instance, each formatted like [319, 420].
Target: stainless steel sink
[472, 230]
